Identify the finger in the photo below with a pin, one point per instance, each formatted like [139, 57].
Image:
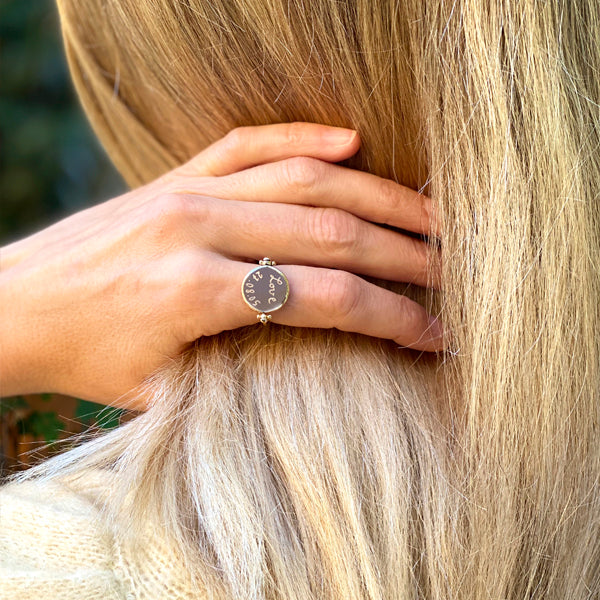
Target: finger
[324, 298]
[310, 181]
[327, 298]
[246, 147]
[326, 237]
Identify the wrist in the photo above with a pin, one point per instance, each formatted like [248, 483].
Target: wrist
[21, 368]
[12, 254]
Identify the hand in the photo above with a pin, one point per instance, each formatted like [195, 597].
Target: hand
[97, 302]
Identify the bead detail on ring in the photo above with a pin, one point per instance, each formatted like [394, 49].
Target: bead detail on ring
[263, 318]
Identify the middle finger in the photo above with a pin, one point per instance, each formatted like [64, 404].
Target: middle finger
[309, 181]
[325, 237]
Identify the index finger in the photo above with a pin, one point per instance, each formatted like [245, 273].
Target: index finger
[246, 147]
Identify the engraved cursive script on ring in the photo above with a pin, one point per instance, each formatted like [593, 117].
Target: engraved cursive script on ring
[272, 298]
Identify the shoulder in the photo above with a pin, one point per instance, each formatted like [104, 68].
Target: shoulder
[54, 543]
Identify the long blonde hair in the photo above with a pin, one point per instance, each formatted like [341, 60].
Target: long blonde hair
[291, 463]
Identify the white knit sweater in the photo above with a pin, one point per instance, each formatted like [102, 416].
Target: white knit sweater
[52, 545]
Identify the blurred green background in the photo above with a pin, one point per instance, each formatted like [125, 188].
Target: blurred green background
[50, 161]
[51, 166]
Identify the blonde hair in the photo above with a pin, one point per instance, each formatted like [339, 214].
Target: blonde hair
[292, 463]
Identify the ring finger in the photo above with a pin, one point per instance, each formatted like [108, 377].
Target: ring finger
[327, 298]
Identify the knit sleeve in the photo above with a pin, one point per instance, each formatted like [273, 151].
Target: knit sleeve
[52, 545]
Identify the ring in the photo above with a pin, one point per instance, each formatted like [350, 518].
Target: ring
[265, 289]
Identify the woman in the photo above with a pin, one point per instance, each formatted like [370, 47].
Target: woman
[279, 462]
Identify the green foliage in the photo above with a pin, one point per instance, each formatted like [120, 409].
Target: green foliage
[8, 405]
[90, 413]
[47, 424]
[44, 425]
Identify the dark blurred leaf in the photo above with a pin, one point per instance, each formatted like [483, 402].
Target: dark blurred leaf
[9, 404]
[86, 412]
[111, 418]
[42, 424]
[90, 413]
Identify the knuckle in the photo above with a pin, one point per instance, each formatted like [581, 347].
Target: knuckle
[153, 214]
[411, 310]
[409, 325]
[427, 216]
[387, 194]
[301, 173]
[421, 260]
[170, 212]
[188, 271]
[168, 207]
[179, 287]
[234, 140]
[341, 295]
[191, 279]
[334, 231]
[295, 133]
[431, 221]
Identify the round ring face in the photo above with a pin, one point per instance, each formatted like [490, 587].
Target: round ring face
[265, 289]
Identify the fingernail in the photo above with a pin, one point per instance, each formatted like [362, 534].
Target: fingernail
[340, 137]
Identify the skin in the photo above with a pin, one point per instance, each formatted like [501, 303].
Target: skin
[95, 303]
